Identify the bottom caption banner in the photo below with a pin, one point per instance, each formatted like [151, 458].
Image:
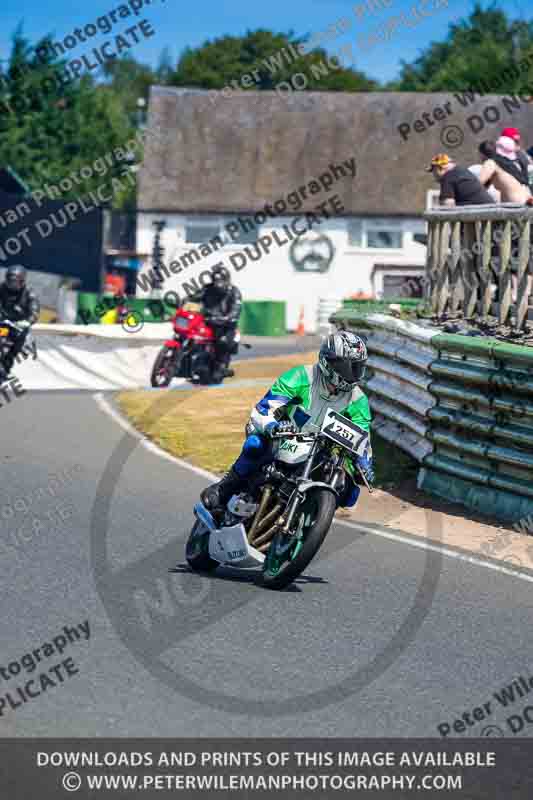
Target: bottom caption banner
[88, 768]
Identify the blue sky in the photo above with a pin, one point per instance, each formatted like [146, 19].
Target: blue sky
[178, 25]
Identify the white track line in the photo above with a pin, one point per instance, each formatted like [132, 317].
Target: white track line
[421, 544]
[109, 409]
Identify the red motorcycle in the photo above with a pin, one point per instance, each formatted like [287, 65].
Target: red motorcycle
[190, 354]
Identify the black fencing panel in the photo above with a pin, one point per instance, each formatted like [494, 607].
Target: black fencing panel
[58, 237]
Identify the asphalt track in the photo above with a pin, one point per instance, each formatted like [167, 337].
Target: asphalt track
[379, 638]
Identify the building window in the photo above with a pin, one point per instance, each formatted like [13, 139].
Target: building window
[375, 234]
[384, 234]
[355, 233]
[243, 236]
[385, 239]
[201, 232]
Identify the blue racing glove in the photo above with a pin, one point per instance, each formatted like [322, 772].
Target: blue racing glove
[367, 465]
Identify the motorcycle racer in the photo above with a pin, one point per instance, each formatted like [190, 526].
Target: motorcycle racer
[18, 304]
[221, 303]
[297, 400]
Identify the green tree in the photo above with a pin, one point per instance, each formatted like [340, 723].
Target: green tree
[51, 127]
[164, 68]
[130, 81]
[216, 63]
[485, 48]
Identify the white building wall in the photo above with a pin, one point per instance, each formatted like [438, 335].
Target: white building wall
[274, 277]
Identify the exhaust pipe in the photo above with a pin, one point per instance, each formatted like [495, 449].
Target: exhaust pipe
[266, 523]
[259, 514]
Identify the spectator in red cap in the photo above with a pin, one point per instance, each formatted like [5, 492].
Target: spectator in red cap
[511, 133]
[522, 158]
[500, 170]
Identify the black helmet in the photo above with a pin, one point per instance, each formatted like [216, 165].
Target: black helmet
[221, 276]
[342, 359]
[15, 278]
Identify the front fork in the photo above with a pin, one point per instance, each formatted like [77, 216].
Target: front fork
[286, 520]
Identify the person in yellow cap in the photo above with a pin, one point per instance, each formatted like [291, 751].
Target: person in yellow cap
[458, 186]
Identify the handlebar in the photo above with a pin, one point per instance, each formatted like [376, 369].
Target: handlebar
[311, 436]
[295, 435]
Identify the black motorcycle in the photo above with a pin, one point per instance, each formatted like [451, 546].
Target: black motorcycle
[9, 332]
[281, 520]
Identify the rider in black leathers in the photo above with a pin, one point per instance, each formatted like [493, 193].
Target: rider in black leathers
[19, 305]
[221, 305]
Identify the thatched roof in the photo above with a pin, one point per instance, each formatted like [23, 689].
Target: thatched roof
[250, 148]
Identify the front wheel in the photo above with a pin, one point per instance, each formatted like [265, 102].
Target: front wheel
[164, 368]
[197, 549]
[288, 556]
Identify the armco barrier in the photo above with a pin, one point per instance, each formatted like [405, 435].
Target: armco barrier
[91, 357]
[462, 406]
[482, 425]
[327, 306]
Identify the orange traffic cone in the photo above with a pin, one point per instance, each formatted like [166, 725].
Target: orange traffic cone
[300, 330]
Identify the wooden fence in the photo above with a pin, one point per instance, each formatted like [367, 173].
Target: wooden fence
[473, 249]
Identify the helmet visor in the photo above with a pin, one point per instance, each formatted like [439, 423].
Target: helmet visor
[351, 371]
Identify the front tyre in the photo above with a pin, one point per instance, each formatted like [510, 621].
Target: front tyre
[197, 549]
[287, 557]
[164, 368]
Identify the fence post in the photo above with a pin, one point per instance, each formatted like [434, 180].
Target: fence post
[433, 264]
[470, 270]
[469, 249]
[455, 268]
[525, 265]
[485, 299]
[505, 274]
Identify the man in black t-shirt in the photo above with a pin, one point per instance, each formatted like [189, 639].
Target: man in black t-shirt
[458, 186]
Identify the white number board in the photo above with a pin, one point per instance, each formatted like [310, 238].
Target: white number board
[345, 432]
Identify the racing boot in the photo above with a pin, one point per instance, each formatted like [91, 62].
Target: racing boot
[6, 367]
[216, 496]
[217, 375]
[227, 371]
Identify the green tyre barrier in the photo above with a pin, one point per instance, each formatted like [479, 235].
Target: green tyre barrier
[486, 500]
